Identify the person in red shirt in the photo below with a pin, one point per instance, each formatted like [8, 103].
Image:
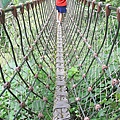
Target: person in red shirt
[61, 8]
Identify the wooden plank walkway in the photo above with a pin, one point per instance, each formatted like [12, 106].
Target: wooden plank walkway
[61, 106]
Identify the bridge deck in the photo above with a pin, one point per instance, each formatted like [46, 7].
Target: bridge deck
[61, 106]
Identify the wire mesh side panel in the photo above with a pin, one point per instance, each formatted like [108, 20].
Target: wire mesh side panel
[92, 60]
[27, 67]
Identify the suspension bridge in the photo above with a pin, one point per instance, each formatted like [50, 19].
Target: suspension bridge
[60, 72]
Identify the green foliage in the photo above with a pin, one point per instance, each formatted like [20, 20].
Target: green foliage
[5, 3]
[115, 3]
[72, 71]
[19, 1]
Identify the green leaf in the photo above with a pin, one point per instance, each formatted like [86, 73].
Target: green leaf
[103, 101]
[101, 113]
[72, 71]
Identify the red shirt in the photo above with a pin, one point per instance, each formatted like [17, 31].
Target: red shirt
[61, 2]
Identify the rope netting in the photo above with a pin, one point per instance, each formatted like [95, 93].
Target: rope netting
[28, 45]
[88, 47]
[92, 57]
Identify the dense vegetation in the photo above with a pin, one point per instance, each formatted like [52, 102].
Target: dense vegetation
[19, 1]
[115, 3]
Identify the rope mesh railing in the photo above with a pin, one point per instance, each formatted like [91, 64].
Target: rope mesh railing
[92, 60]
[30, 44]
[27, 44]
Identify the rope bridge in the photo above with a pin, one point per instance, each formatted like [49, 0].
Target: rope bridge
[55, 72]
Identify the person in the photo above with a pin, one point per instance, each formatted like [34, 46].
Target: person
[61, 8]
